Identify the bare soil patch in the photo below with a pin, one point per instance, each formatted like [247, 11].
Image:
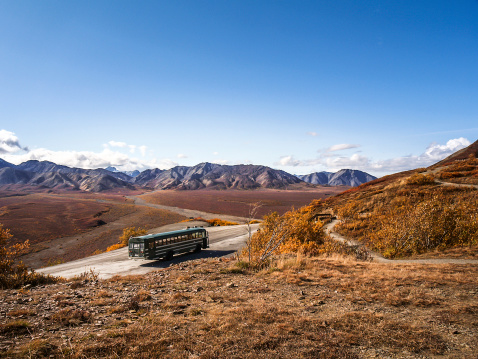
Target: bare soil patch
[237, 202]
[296, 308]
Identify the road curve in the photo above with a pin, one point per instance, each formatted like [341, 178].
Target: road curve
[462, 185]
[377, 257]
[223, 241]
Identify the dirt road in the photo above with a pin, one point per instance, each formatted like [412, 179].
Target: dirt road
[223, 241]
[377, 257]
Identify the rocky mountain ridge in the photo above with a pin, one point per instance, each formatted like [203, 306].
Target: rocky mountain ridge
[48, 175]
[344, 177]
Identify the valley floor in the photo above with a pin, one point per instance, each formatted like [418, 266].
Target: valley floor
[296, 308]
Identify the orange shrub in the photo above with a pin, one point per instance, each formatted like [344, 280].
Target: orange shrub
[419, 179]
[295, 231]
[216, 222]
[114, 247]
[448, 175]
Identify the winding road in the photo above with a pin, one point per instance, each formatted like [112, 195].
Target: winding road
[223, 241]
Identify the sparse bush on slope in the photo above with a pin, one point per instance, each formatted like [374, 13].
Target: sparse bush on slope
[400, 220]
[128, 232]
[414, 228]
[295, 231]
[14, 274]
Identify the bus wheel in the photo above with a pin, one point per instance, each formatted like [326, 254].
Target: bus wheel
[169, 256]
[198, 248]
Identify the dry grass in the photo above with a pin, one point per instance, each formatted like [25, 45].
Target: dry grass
[297, 307]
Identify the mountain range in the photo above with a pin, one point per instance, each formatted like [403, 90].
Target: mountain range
[48, 175]
[345, 177]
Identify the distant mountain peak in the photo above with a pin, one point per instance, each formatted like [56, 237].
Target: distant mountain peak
[344, 177]
[203, 175]
[4, 163]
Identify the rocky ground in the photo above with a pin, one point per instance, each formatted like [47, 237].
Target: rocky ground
[295, 308]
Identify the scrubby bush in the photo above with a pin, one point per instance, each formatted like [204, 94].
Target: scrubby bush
[420, 227]
[411, 220]
[128, 232]
[419, 179]
[13, 273]
[295, 231]
[215, 222]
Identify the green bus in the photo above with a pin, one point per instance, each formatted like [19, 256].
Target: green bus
[165, 245]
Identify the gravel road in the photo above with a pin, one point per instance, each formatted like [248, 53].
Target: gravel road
[223, 241]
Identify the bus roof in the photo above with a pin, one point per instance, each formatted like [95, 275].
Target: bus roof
[170, 234]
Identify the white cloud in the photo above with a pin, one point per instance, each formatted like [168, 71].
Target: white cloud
[143, 149]
[439, 152]
[221, 162]
[433, 153]
[91, 160]
[181, 155]
[9, 142]
[355, 161]
[289, 161]
[313, 134]
[215, 153]
[132, 148]
[342, 146]
[117, 144]
[9, 146]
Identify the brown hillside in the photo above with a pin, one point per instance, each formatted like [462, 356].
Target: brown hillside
[462, 154]
[432, 210]
[429, 211]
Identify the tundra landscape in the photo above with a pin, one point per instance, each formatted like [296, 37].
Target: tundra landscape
[313, 296]
[239, 179]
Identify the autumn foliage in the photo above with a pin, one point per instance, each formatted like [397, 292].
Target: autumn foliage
[128, 232]
[411, 216]
[214, 222]
[295, 231]
[13, 273]
[465, 171]
[405, 214]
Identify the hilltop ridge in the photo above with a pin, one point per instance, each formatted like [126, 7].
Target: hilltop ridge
[344, 177]
[48, 175]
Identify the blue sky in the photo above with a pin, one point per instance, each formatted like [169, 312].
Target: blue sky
[303, 86]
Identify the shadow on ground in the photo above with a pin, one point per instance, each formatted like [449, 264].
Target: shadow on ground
[180, 258]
